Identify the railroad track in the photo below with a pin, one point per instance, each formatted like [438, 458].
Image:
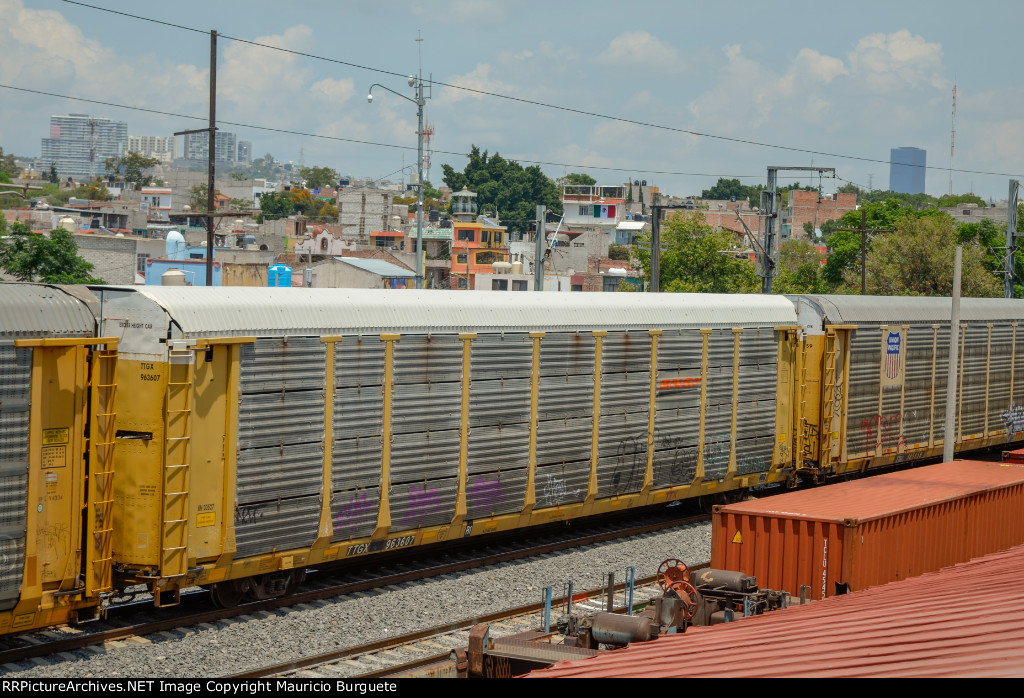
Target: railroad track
[414, 652]
[132, 620]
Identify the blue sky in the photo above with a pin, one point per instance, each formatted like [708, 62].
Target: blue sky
[839, 79]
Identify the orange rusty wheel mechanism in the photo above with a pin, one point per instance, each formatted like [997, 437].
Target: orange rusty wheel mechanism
[671, 571]
[688, 595]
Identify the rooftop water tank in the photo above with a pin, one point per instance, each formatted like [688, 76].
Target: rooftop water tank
[173, 277]
[174, 245]
[67, 223]
[517, 267]
[501, 267]
[279, 275]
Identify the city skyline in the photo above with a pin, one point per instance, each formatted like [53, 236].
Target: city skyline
[855, 85]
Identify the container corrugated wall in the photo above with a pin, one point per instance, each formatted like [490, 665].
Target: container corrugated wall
[279, 470]
[872, 531]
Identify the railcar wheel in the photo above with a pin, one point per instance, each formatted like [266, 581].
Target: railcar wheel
[226, 595]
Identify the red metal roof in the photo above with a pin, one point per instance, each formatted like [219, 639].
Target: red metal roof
[883, 495]
[386, 233]
[962, 621]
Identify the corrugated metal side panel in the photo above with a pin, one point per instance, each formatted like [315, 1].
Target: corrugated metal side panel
[1000, 372]
[428, 503]
[975, 359]
[625, 410]
[495, 493]
[273, 365]
[36, 310]
[561, 484]
[15, 380]
[357, 451]
[279, 466]
[862, 390]
[280, 471]
[426, 412]
[282, 524]
[354, 513]
[277, 419]
[917, 387]
[501, 369]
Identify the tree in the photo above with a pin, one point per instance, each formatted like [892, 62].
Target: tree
[9, 165]
[132, 168]
[319, 177]
[275, 205]
[699, 258]
[575, 178]
[917, 260]
[52, 177]
[799, 269]
[239, 204]
[505, 187]
[50, 259]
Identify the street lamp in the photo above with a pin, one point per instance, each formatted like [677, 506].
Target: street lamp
[420, 100]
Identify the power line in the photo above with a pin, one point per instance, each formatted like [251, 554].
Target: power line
[359, 142]
[522, 100]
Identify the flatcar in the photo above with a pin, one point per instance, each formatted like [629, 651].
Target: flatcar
[257, 432]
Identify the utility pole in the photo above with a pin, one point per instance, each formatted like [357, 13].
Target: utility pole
[863, 230]
[656, 210]
[211, 131]
[768, 198]
[539, 248]
[1011, 239]
[949, 436]
[210, 182]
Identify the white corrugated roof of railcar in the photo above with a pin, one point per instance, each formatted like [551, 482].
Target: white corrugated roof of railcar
[258, 311]
[41, 310]
[914, 309]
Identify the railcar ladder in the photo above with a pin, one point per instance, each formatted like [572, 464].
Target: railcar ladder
[177, 456]
[827, 399]
[100, 515]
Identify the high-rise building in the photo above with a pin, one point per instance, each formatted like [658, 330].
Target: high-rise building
[80, 144]
[197, 146]
[163, 148]
[907, 170]
[244, 152]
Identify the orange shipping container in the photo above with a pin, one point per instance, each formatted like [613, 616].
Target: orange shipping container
[872, 531]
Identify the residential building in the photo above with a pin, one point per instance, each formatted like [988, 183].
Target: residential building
[361, 210]
[157, 201]
[362, 272]
[80, 144]
[586, 207]
[244, 154]
[197, 146]
[163, 148]
[811, 207]
[907, 169]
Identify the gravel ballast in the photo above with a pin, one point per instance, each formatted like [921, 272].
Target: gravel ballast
[265, 638]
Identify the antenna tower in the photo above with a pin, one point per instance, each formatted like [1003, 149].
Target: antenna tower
[952, 140]
[428, 131]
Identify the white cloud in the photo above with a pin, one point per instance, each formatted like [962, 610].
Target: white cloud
[817, 66]
[890, 62]
[477, 79]
[640, 48]
[337, 92]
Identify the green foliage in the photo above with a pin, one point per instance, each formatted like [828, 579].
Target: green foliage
[576, 178]
[132, 168]
[505, 186]
[429, 192]
[50, 259]
[618, 252]
[275, 205]
[93, 191]
[51, 176]
[948, 201]
[239, 204]
[200, 198]
[698, 258]
[850, 188]
[319, 177]
[9, 166]
[800, 269]
[917, 259]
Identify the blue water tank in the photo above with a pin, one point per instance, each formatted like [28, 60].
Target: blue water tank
[280, 275]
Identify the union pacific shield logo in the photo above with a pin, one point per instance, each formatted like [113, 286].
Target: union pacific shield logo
[893, 355]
